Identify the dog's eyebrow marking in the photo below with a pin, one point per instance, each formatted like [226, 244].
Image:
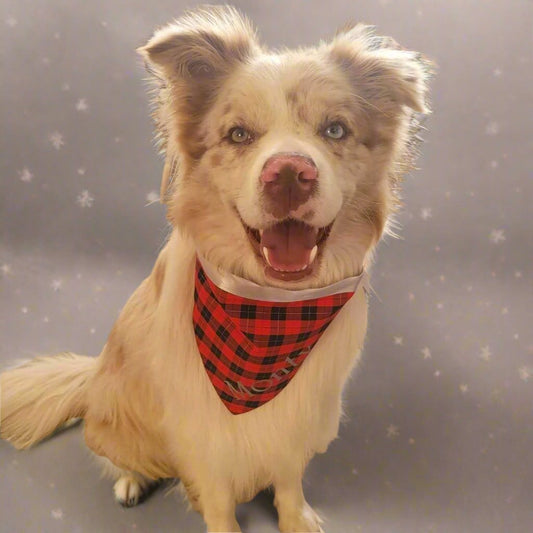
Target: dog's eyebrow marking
[292, 96]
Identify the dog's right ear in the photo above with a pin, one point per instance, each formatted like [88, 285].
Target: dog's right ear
[190, 59]
[203, 44]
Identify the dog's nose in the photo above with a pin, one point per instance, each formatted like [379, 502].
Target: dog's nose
[288, 180]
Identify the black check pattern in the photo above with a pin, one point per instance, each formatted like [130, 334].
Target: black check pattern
[251, 349]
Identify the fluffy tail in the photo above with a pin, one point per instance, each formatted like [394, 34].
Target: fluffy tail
[41, 395]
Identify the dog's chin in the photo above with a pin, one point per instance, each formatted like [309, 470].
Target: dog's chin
[289, 250]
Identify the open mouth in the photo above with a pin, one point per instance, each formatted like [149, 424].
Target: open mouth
[289, 249]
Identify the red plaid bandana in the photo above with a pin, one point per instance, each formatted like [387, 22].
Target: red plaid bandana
[250, 348]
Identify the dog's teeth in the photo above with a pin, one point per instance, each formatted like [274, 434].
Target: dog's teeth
[313, 254]
[265, 253]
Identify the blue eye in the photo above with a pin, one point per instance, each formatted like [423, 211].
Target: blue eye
[239, 135]
[335, 131]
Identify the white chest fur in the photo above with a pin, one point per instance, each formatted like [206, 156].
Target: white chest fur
[288, 430]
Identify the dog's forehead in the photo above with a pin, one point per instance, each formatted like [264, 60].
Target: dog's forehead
[291, 77]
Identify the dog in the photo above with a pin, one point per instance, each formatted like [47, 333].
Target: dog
[226, 366]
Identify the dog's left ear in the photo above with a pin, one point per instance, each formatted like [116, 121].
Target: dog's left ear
[381, 70]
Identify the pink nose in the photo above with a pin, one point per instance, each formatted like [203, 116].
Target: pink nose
[289, 180]
[289, 166]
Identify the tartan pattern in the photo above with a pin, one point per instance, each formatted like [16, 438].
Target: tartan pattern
[251, 349]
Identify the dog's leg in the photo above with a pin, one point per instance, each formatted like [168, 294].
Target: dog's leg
[294, 513]
[217, 503]
[130, 487]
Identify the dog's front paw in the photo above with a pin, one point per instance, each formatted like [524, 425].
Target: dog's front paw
[305, 521]
[129, 491]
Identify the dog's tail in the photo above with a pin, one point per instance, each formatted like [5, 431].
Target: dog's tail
[39, 396]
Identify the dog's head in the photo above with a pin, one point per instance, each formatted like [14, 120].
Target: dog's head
[283, 166]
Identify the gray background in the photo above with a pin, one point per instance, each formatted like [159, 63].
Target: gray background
[439, 428]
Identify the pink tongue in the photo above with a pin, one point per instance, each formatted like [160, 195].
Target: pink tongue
[289, 244]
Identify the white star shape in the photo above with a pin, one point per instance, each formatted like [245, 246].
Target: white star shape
[411, 296]
[392, 431]
[524, 373]
[65, 87]
[463, 388]
[518, 274]
[82, 105]
[398, 341]
[57, 140]
[497, 72]
[25, 175]
[494, 164]
[6, 269]
[425, 213]
[57, 514]
[436, 373]
[485, 353]
[152, 197]
[505, 310]
[497, 236]
[56, 284]
[24, 310]
[85, 199]
[426, 352]
[81, 171]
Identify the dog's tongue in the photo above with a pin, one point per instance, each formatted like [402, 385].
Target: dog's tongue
[289, 246]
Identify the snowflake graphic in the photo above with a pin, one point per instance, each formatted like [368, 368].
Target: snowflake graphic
[152, 197]
[82, 105]
[6, 269]
[398, 341]
[57, 514]
[497, 72]
[463, 388]
[485, 353]
[494, 164]
[497, 236]
[524, 373]
[25, 175]
[425, 213]
[57, 140]
[85, 199]
[492, 128]
[56, 285]
[426, 352]
[393, 431]
[81, 171]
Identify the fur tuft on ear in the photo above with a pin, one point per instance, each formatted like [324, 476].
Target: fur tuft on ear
[378, 67]
[203, 43]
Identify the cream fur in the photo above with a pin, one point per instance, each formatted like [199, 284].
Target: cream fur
[148, 405]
